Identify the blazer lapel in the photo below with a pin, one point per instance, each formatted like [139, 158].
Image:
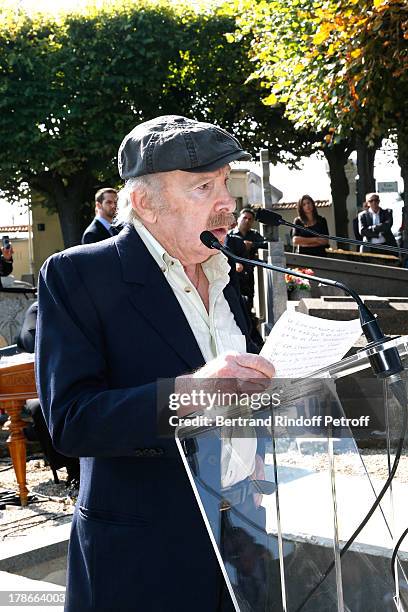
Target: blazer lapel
[152, 296]
[103, 232]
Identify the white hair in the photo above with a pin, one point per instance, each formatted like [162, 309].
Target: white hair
[151, 184]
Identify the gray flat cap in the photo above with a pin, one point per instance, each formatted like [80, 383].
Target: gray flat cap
[172, 142]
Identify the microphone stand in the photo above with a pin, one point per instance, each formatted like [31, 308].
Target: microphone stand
[386, 364]
[269, 217]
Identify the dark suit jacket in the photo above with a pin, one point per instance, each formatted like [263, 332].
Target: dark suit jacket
[104, 339]
[95, 232]
[6, 267]
[368, 230]
[26, 338]
[356, 231]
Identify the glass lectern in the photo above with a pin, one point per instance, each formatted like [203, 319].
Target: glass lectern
[282, 490]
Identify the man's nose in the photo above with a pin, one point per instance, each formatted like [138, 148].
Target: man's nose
[225, 201]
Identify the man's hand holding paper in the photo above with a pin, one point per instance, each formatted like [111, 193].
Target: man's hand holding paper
[231, 372]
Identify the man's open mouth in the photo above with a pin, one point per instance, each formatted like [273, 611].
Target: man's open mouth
[219, 233]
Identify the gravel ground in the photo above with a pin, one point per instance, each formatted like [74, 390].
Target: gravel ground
[54, 503]
[375, 463]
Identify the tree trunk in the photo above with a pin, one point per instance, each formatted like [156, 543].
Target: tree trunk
[71, 222]
[337, 156]
[365, 169]
[72, 199]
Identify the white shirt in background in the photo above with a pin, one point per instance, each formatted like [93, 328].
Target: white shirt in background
[376, 221]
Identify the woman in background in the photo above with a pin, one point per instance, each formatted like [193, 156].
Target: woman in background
[306, 243]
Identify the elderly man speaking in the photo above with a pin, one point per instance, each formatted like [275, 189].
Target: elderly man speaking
[116, 316]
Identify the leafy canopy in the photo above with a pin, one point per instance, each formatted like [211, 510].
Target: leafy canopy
[71, 86]
[337, 65]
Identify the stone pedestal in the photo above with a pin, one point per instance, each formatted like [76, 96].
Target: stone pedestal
[392, 312]
[13, 305]
[299, 294]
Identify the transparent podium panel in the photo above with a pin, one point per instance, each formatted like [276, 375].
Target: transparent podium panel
[284, 489]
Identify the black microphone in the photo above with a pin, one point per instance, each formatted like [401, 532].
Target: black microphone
[384, 363]
[270, 217]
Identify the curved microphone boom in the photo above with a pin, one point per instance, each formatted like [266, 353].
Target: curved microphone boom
[384, 363]
[210, 241]
[270, 217]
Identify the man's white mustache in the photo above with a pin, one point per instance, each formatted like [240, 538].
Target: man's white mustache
[220, 220]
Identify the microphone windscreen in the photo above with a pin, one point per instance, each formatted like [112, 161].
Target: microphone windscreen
[268, 217]
[209, 240]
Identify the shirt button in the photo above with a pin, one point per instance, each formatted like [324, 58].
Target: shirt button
[187, 289]
[163, 269]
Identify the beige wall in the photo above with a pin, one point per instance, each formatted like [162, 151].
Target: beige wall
[238, 187]
[46, 242]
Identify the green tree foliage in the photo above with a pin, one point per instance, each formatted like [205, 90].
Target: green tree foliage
[72, 87]
[214, 85]
[339, 66]
[334, 62]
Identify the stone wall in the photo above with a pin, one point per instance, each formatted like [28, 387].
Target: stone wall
[392, 313]
[366, 279]
[13, 305]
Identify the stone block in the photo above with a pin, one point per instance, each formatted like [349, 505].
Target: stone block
[392, 313]
[13, 306]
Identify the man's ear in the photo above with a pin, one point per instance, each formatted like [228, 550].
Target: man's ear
[142, 206]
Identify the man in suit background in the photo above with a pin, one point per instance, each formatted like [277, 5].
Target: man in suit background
[150, 303]
[6, 260]
[375, 225]
[251, 240]
[106, 200]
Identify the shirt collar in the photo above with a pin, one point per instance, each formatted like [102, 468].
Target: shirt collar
[215, 268]
[104, 222]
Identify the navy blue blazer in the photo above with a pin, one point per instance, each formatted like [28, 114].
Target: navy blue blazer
[95, 232]
[109, 326]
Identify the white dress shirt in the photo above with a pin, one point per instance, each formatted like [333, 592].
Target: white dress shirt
[380, 239]
[105, 223]
[216, 332]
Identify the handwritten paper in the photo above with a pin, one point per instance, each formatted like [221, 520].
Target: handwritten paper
[300, 344]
